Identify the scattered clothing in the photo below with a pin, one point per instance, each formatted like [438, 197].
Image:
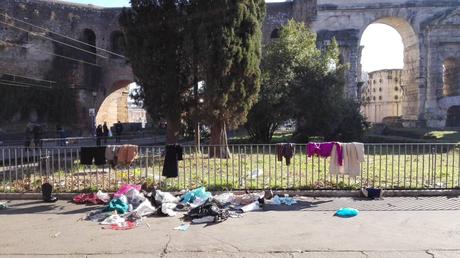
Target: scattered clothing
[172, 156]
[285, 150]
[126, 188]
[283, 200]
[353, 155]
[124, 225]
[91, 198]
[120, 205]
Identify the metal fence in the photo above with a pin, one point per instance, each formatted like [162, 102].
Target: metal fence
[388, 166]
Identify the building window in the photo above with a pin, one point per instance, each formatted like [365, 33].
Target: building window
[380, 97]
[449, 77]
[390, 77]
[396, 97]
[396, 88]
[380, 89]
[396, 79]
[117, 41]
[374, 81]
[374, 98]
[373, 89]
[381, 80]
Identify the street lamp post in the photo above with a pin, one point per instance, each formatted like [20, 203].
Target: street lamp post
[93, 113]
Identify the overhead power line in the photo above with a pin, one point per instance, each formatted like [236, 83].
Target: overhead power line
[29, 78]
[53, 54]
[61, 35]
[54, 40]
[28, 85]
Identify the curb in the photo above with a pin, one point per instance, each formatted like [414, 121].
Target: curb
[317, 193]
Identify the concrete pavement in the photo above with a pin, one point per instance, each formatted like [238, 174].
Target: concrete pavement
[393, 227]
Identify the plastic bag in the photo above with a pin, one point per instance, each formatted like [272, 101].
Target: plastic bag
[225, 198]
[200, 193]
[125, 188]
[164, 197]
[113, 219]
[145, 208]
[346, 212]
[168, 209]
[104, 197]
[255, 206]
[135, 198]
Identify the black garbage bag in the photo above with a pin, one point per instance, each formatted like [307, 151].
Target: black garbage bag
[208, 208]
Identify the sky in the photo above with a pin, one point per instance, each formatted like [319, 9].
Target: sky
[383, 47]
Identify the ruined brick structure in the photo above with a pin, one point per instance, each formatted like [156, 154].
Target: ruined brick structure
[430, 30]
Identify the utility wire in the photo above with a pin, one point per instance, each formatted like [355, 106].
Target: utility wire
[24, 84]
[61, 35]
[54, 40]
[49, 53]
[30, 78]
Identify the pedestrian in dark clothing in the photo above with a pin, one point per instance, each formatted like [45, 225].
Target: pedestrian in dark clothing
[105, 131]
[99, 135]
[36, 131]
[61, 135]
[118, 131]
[28, 140]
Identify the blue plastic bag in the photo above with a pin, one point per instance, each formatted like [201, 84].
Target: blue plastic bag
[346, 212]
[199, 193]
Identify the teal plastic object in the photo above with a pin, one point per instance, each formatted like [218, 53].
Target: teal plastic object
[117, 205]
[199, 193]
[347, 212]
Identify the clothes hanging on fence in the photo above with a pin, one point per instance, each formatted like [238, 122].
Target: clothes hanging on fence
[173, 153]
[127, 154]
[88, 154]
[353, 155]
[285, 150]
[325, 149]
[111, 152]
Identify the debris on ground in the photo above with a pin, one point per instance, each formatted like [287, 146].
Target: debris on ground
[346, 212]
[3, 205]
[130, 204]
[182, 227]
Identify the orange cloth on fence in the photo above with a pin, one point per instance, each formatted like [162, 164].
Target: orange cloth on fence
[127, 154]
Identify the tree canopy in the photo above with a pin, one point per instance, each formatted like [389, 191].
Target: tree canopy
[157, 48]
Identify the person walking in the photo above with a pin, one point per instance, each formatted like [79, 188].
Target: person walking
[105, 131]
[99, 135]
[37, 133]
[118, 131]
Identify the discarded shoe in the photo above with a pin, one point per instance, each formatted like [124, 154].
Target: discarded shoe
[47, 190]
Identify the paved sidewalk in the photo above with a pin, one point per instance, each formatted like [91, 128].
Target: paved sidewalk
[393, 227]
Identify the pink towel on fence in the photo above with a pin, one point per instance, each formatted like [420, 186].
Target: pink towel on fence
[324, 150]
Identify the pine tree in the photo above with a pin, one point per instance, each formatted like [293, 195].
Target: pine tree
[156, 45]
[230, 52]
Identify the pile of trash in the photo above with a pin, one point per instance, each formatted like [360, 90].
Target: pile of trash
[130, 204]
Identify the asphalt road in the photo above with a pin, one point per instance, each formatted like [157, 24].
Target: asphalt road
[393, 227]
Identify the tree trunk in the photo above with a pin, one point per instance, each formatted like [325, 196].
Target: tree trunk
[219, 145]
[172, 130]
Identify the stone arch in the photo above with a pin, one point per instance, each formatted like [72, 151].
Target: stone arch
[411, 106]
[117, 43]
[453, 117]
[114, 107]
[450, 72]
